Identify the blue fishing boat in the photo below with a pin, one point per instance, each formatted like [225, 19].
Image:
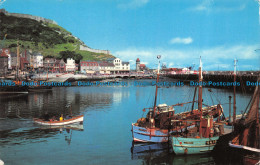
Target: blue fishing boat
[203, 137]
[182, 145]
[152, 135]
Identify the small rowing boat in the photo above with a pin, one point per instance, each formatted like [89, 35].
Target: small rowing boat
[73, 120]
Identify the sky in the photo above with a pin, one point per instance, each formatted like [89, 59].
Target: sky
[179, 30]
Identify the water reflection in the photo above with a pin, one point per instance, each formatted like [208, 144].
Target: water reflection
[37, 104]
[149, 150]
[161, 153]
[19, 135]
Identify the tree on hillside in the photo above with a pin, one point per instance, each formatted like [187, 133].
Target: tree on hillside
[77, 58]
[70, 54]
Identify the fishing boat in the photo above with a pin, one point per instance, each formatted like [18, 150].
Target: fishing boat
[203, 137]
[197, 143]
[161, 121]
[72, 120]
[246, 134]
[40, 88]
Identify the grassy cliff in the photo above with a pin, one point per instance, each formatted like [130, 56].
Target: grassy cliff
[47, 38]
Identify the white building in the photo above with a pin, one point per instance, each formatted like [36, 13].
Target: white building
[37, 60]
[70, 65]
[120, 66]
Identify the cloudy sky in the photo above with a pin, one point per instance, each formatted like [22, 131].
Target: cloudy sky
[179, 30]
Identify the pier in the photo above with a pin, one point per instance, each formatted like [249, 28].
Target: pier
[242, 79]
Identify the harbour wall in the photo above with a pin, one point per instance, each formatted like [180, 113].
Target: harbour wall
[242, 80]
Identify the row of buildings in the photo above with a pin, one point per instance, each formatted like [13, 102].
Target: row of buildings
[29, 60]
[32, 60]
[110, 66]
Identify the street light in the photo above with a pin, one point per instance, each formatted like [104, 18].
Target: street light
[257, 50]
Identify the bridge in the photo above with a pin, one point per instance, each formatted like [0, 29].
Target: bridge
[59, 77]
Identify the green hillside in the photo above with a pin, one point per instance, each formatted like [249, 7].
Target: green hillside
[47, 38]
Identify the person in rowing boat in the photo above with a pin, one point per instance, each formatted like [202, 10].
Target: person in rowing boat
[53, 118]
[61, 117]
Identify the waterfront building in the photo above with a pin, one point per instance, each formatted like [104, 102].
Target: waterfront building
[70, 65]
[59, 66]
[106, 67]
[137, 64]
[13, 60]
[24, 63]
[142, 67]
[48, 64]
[89, 66]
[37, 59]
[177, 71]
[54, 65]
[120, 66]
[8, 53]
[3, 63]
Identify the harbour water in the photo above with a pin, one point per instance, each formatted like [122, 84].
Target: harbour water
[105, 136]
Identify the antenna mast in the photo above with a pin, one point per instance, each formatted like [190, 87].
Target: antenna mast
[259, 10]
[234, 98]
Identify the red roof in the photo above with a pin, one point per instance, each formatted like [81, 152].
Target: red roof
[137, 60]
[86, 63]
[7, 51]
[142, 65]
[3, 54]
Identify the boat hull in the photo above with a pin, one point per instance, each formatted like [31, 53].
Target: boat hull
[251, 160]
[76, 119]
[151, 135]
[183, 146]
[246, 148]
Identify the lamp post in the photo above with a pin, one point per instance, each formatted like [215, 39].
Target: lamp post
[257, 50]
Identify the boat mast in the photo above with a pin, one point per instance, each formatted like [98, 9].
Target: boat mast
[156, 90]
[200, 87]
[193, 99]
[234, 97]
[200, 95]
[257, 118]
[17, 60]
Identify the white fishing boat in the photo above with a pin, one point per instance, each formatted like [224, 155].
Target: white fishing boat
[72, 120]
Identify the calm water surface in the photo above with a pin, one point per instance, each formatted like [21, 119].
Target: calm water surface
[105, 136]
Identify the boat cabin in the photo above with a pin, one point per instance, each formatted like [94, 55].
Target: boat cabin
[162, 119]
[164, 108]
